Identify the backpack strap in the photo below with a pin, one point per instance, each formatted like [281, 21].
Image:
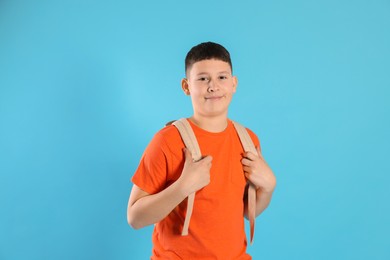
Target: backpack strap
[189, 139]
[248, 146]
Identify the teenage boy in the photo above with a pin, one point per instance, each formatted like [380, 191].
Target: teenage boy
[167, 174]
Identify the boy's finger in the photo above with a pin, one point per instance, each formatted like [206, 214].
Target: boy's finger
[207, 158]
[246, 162]
[249, 155]
[187, 154]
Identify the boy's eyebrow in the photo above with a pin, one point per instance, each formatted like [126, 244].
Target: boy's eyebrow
[220, 72]
[225, 71]
[201, 73]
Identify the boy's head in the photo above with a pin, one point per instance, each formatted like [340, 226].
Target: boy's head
[207, 51]
[209, 80]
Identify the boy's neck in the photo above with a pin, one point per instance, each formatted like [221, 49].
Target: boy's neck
[210, 124]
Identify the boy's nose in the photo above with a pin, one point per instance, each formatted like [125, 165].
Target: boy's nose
[212, 86]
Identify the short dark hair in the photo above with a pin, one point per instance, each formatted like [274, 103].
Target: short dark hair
[207, 51]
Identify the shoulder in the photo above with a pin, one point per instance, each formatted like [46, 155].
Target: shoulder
[166, 134]
[254, 137]
[166, 139]
[251, 133]
[165, 145]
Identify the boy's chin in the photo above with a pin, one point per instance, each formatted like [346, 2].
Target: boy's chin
[214, 113]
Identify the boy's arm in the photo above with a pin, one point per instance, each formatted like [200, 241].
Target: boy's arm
[145, 209]
[259, 174]
[263, 199]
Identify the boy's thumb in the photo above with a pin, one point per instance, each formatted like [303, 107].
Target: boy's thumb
[187, 154]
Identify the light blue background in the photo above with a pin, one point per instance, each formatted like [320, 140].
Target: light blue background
[84, 85]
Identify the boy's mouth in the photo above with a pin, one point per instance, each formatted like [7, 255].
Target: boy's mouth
[214, 97]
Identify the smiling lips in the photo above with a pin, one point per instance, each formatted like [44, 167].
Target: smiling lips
[213, 97]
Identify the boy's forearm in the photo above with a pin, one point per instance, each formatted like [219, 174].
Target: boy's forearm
[263, 199]
[151, 209]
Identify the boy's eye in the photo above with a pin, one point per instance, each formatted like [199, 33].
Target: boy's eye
[222, 77]
[203, 79]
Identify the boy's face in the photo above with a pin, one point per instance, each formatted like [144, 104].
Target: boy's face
[211, 86]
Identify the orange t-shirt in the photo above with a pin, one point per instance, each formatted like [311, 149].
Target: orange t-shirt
[216, 229]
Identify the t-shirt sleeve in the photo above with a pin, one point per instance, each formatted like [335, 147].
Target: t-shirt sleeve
[151, 174]
[254, 138]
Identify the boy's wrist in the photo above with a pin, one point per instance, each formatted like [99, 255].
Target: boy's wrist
[182, 188]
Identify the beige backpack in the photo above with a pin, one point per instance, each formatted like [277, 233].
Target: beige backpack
[189, 139]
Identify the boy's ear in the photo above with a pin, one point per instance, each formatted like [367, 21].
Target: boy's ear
[235, 83]
[184, 86]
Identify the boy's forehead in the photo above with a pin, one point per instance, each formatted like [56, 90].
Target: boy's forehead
[209, 66]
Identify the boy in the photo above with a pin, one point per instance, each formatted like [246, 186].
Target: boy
[167, 175]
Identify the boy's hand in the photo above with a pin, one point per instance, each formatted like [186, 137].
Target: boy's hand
[195, 175]
[258, 172]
